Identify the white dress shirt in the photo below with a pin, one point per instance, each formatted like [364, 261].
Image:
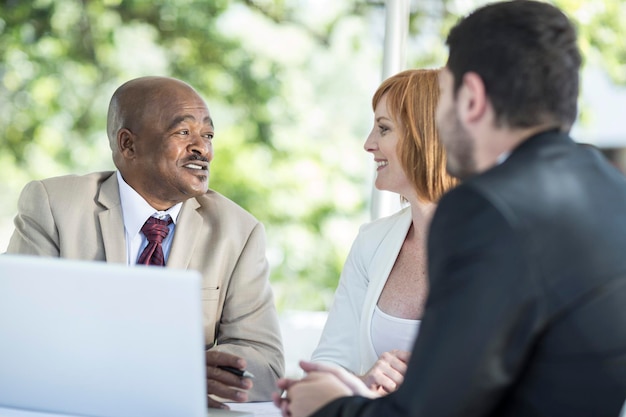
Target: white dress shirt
[135, 211]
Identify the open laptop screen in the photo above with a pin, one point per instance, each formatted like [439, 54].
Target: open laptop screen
[97, 339]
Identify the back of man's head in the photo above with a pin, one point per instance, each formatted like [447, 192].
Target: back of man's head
[526, 54]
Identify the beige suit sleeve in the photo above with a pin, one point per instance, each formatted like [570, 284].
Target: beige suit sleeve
[249, 323]
[35, 229]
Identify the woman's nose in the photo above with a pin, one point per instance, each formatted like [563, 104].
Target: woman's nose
[370, 143]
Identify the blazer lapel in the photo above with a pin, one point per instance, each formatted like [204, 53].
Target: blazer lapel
[112, 221]
[188, 227]
[388, 251]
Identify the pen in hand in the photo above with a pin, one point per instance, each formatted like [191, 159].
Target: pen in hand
[239, 372]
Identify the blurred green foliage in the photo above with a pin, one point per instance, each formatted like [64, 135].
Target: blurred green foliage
[288, 83]
[60, 61]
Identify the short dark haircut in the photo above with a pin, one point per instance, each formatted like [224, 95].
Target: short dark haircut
[526, 53]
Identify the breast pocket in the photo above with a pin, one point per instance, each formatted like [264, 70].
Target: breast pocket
[210, 294]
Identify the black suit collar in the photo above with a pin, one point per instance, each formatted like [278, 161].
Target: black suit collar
[545, 138]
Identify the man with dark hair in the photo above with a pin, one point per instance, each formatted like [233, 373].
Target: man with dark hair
[526, 314]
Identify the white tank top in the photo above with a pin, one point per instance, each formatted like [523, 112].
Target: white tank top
[389, 332]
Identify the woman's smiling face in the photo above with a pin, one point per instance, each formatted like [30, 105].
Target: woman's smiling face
[382, 143]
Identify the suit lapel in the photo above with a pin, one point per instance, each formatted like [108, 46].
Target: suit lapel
[188, 227]
[112, 222]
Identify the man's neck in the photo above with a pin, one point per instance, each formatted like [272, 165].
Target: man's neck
[503, 141]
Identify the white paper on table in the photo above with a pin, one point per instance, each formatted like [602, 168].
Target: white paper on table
[266, 409]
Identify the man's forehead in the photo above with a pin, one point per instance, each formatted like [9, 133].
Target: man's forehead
[192, 115]
[189, 104]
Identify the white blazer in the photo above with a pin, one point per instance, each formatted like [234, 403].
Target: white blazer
[346, 339]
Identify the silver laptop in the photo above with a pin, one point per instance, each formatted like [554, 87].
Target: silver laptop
[93, 339]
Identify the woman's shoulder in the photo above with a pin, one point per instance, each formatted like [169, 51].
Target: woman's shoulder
[399, 218]
[373, 234]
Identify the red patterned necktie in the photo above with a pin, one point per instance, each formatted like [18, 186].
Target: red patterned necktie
[155, 230]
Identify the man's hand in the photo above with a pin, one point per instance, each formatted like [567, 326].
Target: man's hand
[305, 396]
[388, 372]
[323, 384]
[281, 401]
[347, 378]
[222, 383]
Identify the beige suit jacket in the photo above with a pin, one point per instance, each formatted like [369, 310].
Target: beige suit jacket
[80, 217]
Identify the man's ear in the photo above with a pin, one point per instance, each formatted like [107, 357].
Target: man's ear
[472, 98]
[126, 143]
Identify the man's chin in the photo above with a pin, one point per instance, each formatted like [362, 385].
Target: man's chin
[198, 191]
[452, 170]
[459, 172]
[194, 190]
[199, 184]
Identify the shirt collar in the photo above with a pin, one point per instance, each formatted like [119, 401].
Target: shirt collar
[135, 210]
[503, 157]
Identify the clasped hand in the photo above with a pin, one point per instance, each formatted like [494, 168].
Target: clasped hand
[322, 384]
[387, 373]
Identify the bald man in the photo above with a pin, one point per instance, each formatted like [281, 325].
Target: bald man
[160, 133]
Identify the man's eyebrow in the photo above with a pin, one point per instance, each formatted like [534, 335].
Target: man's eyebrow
[179, 119]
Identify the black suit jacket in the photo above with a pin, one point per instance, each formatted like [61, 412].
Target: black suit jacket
[526, 314]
